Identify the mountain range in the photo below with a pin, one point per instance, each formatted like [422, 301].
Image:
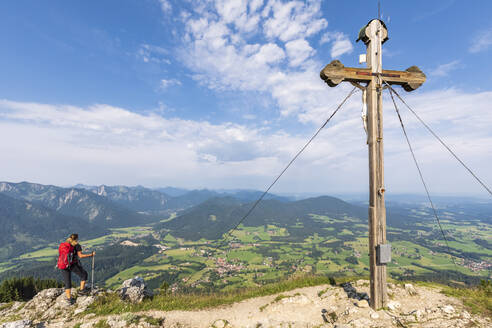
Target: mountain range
[26, 225]
[34, 214]
[138, 198]
[76, 202]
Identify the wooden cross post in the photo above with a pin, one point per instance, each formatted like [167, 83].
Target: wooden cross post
[374, 34]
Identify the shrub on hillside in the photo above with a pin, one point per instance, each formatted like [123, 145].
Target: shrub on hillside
[478, 299]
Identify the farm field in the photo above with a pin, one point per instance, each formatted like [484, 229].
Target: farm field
[255, 255]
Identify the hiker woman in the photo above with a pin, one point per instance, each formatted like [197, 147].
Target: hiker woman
[68, 261]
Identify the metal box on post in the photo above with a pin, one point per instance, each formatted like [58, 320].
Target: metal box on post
[383, 253]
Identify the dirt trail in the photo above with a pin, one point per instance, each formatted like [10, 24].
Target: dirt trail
[346, 307]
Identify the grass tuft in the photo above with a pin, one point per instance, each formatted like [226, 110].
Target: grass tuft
[6, 306]
[10, 318]
[153, 321]
[102, 324]
[478, 300]
[131, 318]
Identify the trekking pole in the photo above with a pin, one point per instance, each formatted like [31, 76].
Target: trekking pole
[92, 278]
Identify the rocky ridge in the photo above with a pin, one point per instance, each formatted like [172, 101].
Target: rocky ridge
[320, 306]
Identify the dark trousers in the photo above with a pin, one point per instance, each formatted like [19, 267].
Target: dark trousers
[67, 274]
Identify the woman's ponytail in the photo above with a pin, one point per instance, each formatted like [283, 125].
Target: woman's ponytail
[73, 239]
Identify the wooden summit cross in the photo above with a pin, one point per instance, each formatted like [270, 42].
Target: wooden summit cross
[374, 34]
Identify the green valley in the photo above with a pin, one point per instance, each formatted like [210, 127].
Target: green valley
[195, 249]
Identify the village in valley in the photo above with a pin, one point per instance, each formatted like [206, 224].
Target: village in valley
[257, 255]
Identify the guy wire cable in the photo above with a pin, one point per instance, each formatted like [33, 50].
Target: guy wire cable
[421, 176]
[230, 231]
[439, 139]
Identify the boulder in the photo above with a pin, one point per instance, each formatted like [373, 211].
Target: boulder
[419, 314]
[448, 309]
[410, 289]
[10, 309]
[51, 303]
[134, 290]
[362, 304]
[329, 316]
[83, 303]
[116, 322]
[44, 299]
[394, 305]
[17, 324]
[45, 305]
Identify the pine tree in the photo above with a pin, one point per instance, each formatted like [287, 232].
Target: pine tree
[24, 288]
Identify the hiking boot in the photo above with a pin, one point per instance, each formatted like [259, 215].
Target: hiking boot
[69, 301]
[84, 292]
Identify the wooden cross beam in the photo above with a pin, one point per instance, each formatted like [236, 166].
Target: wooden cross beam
[374, 34]
[335, 73]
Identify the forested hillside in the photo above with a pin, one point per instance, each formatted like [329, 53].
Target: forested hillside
[25, 225]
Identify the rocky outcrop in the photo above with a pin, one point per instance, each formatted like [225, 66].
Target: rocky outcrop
[48, 305]
[325, 306]
[134, 290]
[24, 323]
[51, 303]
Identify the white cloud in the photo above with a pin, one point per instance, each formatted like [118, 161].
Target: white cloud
[231, 10]
[107, 144]
[298, 51]
[254, 5]
[153, 54]
[293, 19]
[481, 42]
[445, 69]
[168, 83]
[325, 38]
[275, 58]
[165, 6]
[268, 53]
[111, 126]
[249, 117]
[341, 45]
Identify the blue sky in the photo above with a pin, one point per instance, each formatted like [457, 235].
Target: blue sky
[221, 94]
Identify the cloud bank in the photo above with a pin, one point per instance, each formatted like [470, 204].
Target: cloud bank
[104, 144]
